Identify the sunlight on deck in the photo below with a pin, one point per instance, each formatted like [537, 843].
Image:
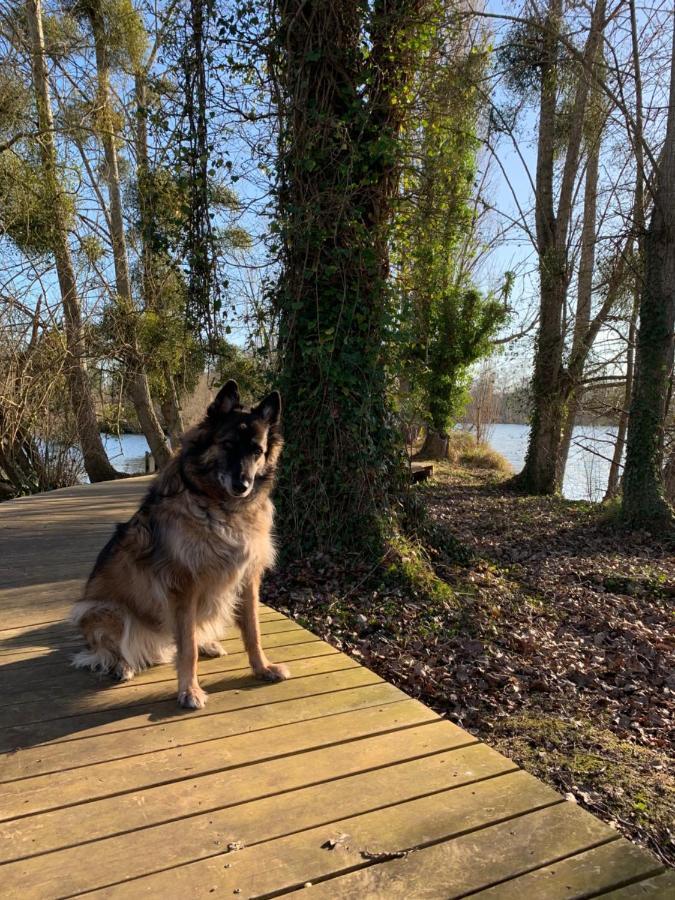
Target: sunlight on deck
[334, 784]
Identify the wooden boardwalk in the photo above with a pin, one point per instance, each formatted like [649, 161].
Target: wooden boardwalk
[334, 778]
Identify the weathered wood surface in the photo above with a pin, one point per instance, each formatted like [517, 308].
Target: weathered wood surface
[334, 778]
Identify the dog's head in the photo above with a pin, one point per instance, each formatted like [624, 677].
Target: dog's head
[234, 450]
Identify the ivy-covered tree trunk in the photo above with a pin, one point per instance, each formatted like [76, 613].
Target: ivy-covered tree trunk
[96, 462]
[139, 384]
[340, 116]
[644, 503]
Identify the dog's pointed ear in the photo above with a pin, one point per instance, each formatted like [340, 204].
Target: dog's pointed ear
[269, 409]
[225, 401]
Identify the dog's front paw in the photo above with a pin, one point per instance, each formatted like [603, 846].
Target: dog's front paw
[192, 698]
[273, 672]
[212, 649]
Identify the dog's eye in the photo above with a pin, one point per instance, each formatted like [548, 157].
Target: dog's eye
[257, 451]
[228, 445]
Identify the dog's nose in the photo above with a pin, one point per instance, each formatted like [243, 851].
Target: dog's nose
[240, 486]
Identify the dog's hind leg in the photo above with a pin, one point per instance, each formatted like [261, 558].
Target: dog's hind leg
[211, 649]
[102, 629]
[247, 619]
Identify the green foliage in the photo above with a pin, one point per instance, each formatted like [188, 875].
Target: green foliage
[26, 206]
[461, 325]
[445, 324]
[91, 248]
[62, 35]
[246, 368]
[121, 26]
[15, 102]
[523, 56]
[126, 35]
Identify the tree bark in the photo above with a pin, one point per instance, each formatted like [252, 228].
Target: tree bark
[614, 477]
[582, 318]
[339, 167]
[435, 445]
[644, 503]
[139, 385]
[542, 473]
[96, 462]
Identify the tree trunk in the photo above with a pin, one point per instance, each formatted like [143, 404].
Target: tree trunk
[644, 503]
[96, 462]
[435, 445]
[338, 176]
[582, 318]
[542, 473]
[669, 477]
[613, 479]
[139, 385]
[171, 409]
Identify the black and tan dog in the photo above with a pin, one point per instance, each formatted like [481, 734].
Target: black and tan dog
[190, 560]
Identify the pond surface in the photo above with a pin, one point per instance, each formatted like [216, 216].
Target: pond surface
[588, 463]
[126, 452]
[585, 478]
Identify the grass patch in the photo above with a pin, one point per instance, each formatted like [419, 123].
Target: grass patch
[464, 451]
[627, 783]
[482, 456]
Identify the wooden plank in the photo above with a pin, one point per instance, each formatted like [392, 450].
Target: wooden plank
[661, 887]
[257, 823]
[238, 783]
[55, 668]
[302, 854]
[63, 682]
[24, 677]
[8, 635]
[33, 676]
[46, 759]
[50, 703]
[464, 865]
[99, 780]
[320, 675]
[62, 634]
[600, 869]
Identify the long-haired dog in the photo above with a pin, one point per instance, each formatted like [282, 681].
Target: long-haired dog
[191, 559]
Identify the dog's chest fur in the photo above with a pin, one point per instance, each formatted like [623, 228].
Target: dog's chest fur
[209, 541]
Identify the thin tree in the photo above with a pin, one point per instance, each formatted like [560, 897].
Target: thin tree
[644, 503]
[139, 385]
[637, 136]
[96, 462]
[550, 384]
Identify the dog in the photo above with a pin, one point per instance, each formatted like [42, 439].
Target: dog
[190, 561]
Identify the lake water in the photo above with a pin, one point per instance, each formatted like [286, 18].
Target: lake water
[126, 452]
[585, 478]
[588, 463]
